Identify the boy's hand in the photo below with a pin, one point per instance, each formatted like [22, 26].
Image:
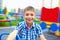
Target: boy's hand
[12, 35]
[42, 37]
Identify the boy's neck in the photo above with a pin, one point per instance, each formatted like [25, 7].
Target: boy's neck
[29, 25]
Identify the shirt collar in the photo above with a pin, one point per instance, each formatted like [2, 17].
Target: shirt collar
[25, 25]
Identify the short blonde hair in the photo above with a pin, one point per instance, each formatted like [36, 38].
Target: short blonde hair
[30, 8]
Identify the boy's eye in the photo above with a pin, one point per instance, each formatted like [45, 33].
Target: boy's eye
[31, 14]
[27, 14]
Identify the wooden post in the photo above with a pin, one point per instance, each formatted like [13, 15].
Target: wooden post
[42, 3]
[59, 4]
[51, 4]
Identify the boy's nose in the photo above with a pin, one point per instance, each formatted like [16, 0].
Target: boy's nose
[29, 16]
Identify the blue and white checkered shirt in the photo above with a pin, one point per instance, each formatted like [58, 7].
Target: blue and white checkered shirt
[28, 34]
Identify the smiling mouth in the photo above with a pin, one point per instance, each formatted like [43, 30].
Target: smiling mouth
[29, 19]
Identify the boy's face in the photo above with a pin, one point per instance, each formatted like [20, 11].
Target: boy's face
[29, 16]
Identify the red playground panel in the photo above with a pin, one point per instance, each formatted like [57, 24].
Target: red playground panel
[50, 15]
[59, 17]
[4, 20]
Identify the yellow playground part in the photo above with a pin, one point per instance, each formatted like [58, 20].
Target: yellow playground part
[57, 33]
[7, 12]
[48, 24]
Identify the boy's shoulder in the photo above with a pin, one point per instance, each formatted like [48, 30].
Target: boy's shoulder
[20, 24]
[37, 26]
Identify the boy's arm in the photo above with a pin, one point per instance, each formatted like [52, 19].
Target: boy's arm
[12, 35]
[15, 32]
[42, 37]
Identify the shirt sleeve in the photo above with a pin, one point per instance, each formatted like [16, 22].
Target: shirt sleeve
[19, 26]
[39, 30]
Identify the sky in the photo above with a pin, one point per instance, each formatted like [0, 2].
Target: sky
[10, 4]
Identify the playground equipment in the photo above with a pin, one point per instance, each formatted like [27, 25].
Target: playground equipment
[53, 27]
[11, 13]
[43, 25]
[6, 33]
[16, 13]
[4, 18]
[18, 10]
[52, 18]
[57, 33]
[5, 11]
[50, 15]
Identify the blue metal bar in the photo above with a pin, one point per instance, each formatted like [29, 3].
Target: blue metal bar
[7, 33]
[3, 34]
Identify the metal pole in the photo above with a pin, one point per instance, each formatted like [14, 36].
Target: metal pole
[0, 6]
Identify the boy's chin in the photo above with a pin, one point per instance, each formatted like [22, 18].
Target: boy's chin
[29, 21]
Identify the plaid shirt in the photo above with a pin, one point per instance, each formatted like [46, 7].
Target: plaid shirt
[28, 34]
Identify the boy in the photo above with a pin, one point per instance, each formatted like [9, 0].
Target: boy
[27, 30]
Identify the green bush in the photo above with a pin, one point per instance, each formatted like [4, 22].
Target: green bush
[4, 24]
[37, 20]
[2, 17]
[7, 24]
[14, 23]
